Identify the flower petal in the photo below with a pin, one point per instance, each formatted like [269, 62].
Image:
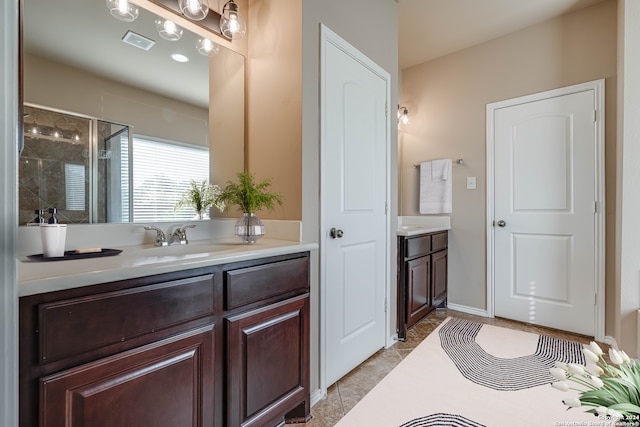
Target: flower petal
[597, 382]
[576, 369]
[602, 410]
[595, 348]
[560, 385]
[561, 365]
[590, 355]
[559, 374]
[573, 402]
[615, 356]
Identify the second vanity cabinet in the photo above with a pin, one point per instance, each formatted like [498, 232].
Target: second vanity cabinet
[422, 277]
[226, 345]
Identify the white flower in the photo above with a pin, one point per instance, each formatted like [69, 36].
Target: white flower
[590, 355]
[595, 348]
[615, 356]
[559, 374]
[601, 410]
[561, 365]
[573, 402]
[596, 370]
[576, 369]
[560, 385]
[625, 358]
[597, 382]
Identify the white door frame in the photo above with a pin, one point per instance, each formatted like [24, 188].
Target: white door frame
[599, 223]
[328, 36]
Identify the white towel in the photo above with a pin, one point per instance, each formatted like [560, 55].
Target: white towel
[435, 194]
[440, 169]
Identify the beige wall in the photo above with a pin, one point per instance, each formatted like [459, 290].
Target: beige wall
[274, 84]
[58, 86]
[447, 97]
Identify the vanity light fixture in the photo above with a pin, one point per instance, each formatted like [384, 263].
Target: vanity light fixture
[123, 10]
[231, 23]
[206, 47]
[193, 9]
[403, 115]
[168, 30]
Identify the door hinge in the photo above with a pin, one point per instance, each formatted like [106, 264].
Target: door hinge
[386, 109]
[595, 299]
[385, 305]
[386, 208]
[595, 115]
[595, 206]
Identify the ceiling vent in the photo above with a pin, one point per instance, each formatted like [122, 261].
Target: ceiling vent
[138, 41]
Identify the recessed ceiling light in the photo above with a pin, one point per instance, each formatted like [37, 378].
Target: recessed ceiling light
[138, 41]
[178, 57]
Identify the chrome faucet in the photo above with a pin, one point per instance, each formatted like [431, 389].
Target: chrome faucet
[179, 235]
[161, 239]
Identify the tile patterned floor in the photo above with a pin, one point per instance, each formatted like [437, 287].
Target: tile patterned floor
[348, 391]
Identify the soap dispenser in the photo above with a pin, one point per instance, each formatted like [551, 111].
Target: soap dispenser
[52, 217]
[39, 219]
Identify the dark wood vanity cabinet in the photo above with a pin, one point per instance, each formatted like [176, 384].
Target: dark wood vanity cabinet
[219, 346]
[422, 277]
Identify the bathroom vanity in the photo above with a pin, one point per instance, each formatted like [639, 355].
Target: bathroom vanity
[422, 274]
[220, 341]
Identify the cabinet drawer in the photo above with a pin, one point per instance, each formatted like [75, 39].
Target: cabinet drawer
[418, 246]
[74, 326]
[247, 285]
[439, 241]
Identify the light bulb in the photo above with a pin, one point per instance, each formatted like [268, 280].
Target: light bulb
[123, 10]
[193, 9]
[206, 47]
[231, 23]
[168, 30]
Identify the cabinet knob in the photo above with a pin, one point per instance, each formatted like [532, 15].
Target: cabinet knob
[336, 233]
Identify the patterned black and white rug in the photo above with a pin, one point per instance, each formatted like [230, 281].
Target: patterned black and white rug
[466, 374]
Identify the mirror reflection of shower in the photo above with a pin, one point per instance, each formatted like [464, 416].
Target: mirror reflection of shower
[96, 171]
[73, 163]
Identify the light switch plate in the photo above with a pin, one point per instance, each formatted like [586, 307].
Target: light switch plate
[471, 183]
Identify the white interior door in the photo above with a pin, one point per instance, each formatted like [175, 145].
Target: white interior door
[355, 139]
[545, 198]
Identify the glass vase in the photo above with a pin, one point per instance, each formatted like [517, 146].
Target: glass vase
[248, 228]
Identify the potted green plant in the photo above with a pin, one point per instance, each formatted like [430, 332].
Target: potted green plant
[249, 196]
[201, 197]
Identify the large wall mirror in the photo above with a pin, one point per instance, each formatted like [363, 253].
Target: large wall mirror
[117, 118]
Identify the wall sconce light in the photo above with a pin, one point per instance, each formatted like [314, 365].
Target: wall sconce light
[403, 115]
[168, 30]
[123, 10]
[193, 9]
[231, 23]
[206, 47]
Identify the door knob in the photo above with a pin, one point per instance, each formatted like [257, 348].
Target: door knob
[335, 233]
[501, 223]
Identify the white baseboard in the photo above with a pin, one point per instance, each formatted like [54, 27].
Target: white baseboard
[468, 310]
[317, 396]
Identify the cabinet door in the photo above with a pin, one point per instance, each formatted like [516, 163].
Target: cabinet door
[165, 384]
[439, 279]
[268, 359]
[418, 289]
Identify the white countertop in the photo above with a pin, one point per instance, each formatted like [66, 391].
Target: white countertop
[414, 230]
[36, 277]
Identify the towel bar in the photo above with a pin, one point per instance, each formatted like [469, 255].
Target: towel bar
[456, 161]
